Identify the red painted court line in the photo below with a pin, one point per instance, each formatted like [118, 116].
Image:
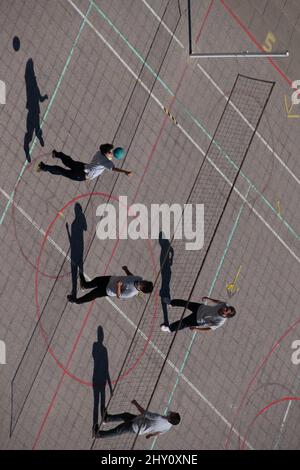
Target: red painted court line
[165, 120]
[260, 367]
[204, 21]
[246, 30]
[62, 377]
[113, 253]
[263, 410]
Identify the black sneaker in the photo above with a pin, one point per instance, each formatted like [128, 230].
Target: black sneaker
[40, 167]
[71, 298]
[54, 154]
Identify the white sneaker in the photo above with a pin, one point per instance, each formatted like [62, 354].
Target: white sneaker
[165, 328]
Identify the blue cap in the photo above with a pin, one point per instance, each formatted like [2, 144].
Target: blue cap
[119, 153]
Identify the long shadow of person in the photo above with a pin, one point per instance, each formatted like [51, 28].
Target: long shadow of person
[101, 378]
[34, 98]
[166, 261]
[76, 240]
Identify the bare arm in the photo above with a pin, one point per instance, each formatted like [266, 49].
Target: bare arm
[139, 407]
[119, 288]
[119, 170]
[127, 271]
[199, 329]
[152, 434]
[212, 300]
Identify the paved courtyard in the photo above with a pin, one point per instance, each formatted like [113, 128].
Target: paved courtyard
[236, 387]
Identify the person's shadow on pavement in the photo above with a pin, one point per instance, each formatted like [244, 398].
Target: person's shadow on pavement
[76, 240]
[166, 261]
[33, 97]
[101, 377]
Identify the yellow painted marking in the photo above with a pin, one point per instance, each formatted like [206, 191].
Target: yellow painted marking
[269, 41]
[289, 110]
[231, 287]
[170, 115]
[286, 105]
[278, 207]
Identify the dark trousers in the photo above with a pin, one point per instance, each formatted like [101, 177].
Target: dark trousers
[125, 427]
[190, 320]
[98, 284]
[75, 172]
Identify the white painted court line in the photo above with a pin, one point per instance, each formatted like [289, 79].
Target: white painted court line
[131, 323]
[97, 32]
[282, 425]
[164, 24]
[190, 115]
[32, 222]
[261, 138]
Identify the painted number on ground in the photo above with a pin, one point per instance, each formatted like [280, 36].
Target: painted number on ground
[269, 42]
[296, 93]
[295, 99]
[2, 92]
[2, 353]
[296, 354]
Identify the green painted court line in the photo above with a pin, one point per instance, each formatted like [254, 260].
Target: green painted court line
[133, 49]
[9, 202]
[187, 353]
[195, 120]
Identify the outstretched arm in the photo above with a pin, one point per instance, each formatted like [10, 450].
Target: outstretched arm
[212, 300]
[152, 434]
[119, 170]
[139, 407]
[195, 328]
[127, 271]
[119, 288]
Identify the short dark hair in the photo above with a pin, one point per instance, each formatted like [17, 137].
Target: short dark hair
[105, 148]
[233, 312]
[146, 287]
[174, 418]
